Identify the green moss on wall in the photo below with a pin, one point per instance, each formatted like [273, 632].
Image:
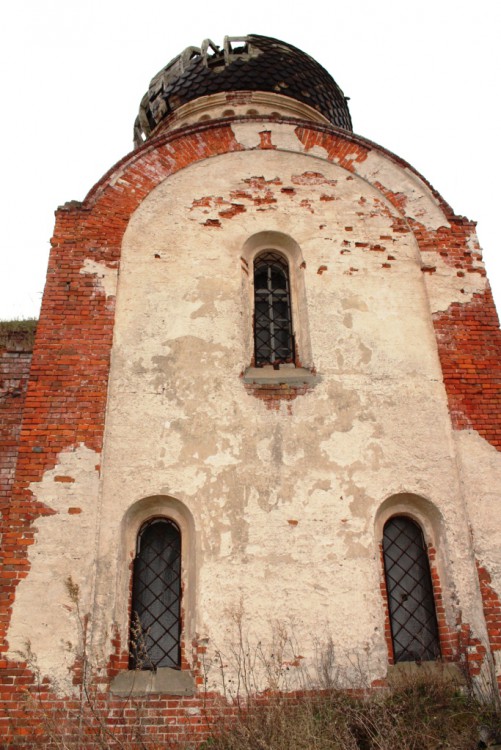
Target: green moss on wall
[18, 334]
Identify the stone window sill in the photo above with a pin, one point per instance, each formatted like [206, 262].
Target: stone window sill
[286, 374]
[405, 670]
[144, 682]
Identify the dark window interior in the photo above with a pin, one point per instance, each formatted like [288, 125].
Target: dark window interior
[273, 339]
[156, 597]
[410, 593]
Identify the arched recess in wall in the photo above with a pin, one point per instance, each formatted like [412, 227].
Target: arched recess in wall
[286, 250]
[160, 517]
[409, 530]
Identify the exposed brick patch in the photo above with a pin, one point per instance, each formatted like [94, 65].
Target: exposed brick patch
[448, 633]
[274, 394]
[342, 150]
[492, 610]
[228, 209]
[313, 178]
[204, 202]
[261, 190]
[119, 657]
[233, 210]
[265, 139]
[469, 346]
[471, 651]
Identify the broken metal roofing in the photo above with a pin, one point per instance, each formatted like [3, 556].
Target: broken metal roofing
[250, 63]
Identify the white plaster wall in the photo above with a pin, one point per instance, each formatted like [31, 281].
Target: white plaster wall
[48, 620]
[480, 471]
[281, 505]
[480, 466]
[181, 424]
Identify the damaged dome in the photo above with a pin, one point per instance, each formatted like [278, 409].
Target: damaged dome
[248, 63]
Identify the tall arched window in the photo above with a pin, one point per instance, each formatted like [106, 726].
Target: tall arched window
[411, 604]
[273, 339]
[155, 633]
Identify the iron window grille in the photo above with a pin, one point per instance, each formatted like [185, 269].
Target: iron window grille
[273, 338]
[411, 603]
[155, 633]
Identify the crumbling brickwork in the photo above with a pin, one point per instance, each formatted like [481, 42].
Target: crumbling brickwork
[15, 360]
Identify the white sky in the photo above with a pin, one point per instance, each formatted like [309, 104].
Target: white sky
[423, 81]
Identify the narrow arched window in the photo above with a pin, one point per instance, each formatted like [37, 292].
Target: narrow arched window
[155, 633]
[273, 339]
[411, 604]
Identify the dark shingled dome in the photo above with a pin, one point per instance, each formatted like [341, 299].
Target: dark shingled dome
[250, 63]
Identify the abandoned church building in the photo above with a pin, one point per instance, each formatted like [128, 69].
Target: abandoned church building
[260, 434]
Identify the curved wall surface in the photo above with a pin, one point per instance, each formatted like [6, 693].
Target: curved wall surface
[145, 401]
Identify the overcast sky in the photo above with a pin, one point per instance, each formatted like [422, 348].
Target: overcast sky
[423, 81]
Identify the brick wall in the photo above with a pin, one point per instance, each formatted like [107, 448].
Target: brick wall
[15, 360]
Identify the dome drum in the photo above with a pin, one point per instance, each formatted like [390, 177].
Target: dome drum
[249, 63]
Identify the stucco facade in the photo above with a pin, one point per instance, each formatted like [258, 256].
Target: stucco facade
[145, 402]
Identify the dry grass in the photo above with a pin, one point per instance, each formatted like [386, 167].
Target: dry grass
[421, 713]
[18, 331]
[426, 707]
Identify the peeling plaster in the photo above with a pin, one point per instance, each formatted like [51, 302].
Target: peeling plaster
[444, 286]
[106, 277]
[480, 471]
[270, 489]
[473, 244]
[283, 136]
[64, 547]
[341, 447]
[420, 204]
[247, 134]
[319, 151]
[483, 492]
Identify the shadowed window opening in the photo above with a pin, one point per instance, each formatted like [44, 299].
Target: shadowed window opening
[273, 338]
[411, 604]
[155, 632]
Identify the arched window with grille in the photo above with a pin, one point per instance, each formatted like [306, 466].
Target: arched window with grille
[411, 603]
[273, 337]
[155, 632]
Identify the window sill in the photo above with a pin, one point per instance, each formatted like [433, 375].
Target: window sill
[408, 670]
[144, 682]
[286, 374]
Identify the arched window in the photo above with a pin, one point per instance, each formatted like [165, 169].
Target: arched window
[273, 339]
[410, 593]
[155, 633]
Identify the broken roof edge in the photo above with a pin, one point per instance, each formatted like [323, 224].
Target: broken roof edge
[244, 63]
